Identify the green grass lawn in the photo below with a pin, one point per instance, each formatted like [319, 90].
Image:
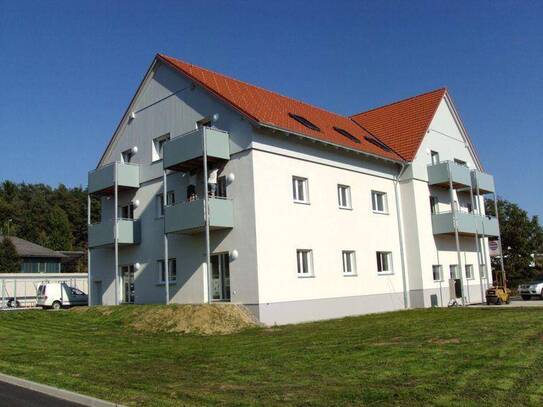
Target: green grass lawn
[438, 357]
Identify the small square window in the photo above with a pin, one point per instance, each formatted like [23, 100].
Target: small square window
[469, 272]
[344, 196]
[437, 272]
[300, 190]
[158, 146]
[304, 259]
[379, 202]
[126, 212]
[172, 271]
[384, 262]
[349, 262]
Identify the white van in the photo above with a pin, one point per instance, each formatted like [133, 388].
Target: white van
[58, 295]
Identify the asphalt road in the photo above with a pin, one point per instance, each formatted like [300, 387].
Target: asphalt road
[15, 396]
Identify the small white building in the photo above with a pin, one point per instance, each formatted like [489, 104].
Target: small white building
[311, 215]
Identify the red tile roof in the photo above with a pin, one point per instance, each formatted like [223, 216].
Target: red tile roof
[402, 125]
[271, 109]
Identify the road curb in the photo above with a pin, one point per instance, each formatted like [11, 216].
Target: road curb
[58, 393]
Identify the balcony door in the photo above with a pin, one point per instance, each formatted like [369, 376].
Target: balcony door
[220, 277]
[127, 284]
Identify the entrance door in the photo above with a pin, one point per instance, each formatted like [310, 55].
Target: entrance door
[455, 279]
[127, 278]
[220, 277]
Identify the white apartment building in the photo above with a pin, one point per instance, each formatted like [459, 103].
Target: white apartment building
[309, 214]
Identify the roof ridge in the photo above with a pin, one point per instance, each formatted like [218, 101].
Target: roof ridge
[442, 89]
[254, 86]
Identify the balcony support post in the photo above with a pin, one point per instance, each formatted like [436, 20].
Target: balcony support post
[456, 237]
[116, 233]
[477, 245]
[166, 257]
[483, 243]
[89, 279]
[502, 266]
[206, 216]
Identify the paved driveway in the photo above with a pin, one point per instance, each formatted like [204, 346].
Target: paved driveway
[515, 303]
[16, 396]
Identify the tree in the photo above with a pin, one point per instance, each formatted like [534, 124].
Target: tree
[521, 236]
[59, 236]
[10, 261]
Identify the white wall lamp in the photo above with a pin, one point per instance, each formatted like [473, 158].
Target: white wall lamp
[132, 115]
[234, 255]
[137, 266]
[136, 203]
[230, 178]
[134, 150]
[215, 117]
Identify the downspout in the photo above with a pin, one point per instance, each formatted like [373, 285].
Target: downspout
[89, 285]
[116, 239]
[400, 232]
[166, 256]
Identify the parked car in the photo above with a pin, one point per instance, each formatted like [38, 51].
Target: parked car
[531, 289]
[59, 295]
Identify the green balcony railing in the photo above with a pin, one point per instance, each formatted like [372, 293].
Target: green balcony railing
[188, 217]
[103, 234]
[186, 151]
[467, 224]
[441, 173]
[102, 179]
[483, 181]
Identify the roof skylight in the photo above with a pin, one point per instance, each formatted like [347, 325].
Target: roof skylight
[378, 143]
[304, 121]
[345, 133]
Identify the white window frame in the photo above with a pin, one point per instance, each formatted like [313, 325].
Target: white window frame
[348, 203]
[309, 261]
[349, 256]
[470, 267]
[296, 181]
[127, 153]
[157, 147]
[374, 203]
[440, 273]
[159, 202]
[161, 271]
[379, 259]
[456, 272]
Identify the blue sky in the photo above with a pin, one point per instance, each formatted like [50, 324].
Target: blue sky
[68, 70]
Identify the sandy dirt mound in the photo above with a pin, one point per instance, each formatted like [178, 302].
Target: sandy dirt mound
[204, 319]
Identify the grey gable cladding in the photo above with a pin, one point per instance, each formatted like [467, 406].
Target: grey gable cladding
[28, 249]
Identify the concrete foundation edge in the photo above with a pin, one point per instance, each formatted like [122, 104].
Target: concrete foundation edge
[58, 393]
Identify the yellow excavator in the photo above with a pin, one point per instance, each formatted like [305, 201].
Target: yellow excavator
[499, 294]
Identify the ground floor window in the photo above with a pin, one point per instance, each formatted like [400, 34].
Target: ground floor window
[127, 284]
[469, 272]
[349, 262]
[437, 272]
[172, 271]
[453, 271]
[384, 262]
[220, 277]
[304, 259]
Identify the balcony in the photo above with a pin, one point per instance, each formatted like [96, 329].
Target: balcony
[485, 182]
[188, 217]
[468, 224]
[102, 234]
[186, 151]
[102, 180]
[440, 174]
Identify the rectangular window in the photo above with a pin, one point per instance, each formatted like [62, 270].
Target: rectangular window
[221, 187]
[384, 262]
[349, 262]
[300, 190]
[379, 202]
[344, 196]
[434, 205]
[435, 157]
[126, 156]
[126, 212]
[437, 272]
[158, 146]
[160, 203]
[469, 272]
[172, 271]
[482, 268]
[304, 259]
[453, 271]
